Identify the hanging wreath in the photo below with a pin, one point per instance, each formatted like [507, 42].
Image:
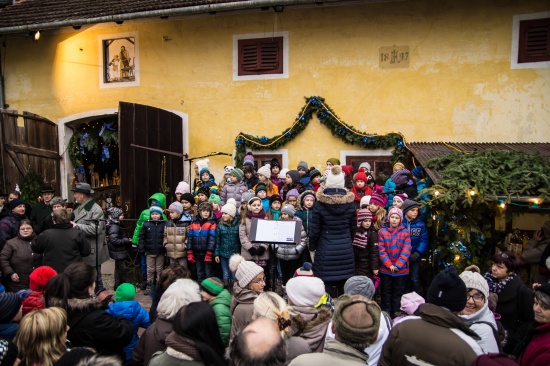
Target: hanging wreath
[316, 106]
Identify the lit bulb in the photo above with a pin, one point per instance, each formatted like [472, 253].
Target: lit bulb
[536, 201]
[503, 205]
[457, 257]
[433, 217]
[37, 36]
[472, 193]
[436, 193]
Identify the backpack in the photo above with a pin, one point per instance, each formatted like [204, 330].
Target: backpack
[499, 333]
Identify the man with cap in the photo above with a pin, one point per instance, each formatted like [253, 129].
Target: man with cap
[213, 292]
[42, 210]
[11, 312]
[9, 225]
[89, 218]
[3, 205]
[435, 335]
[363, 286]
[355, 323]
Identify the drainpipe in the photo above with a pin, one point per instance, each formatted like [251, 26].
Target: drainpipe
[189, 10]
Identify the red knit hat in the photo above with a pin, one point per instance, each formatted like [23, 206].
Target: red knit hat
[360, 176]
[40, 277]
[348, 170]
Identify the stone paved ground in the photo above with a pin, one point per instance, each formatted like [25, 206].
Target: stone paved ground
[107, 270]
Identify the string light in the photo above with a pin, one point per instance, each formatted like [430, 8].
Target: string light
[436, 193]
[472, 193]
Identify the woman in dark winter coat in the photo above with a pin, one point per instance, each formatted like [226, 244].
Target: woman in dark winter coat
[515, 299]
[331, 232]
[9, 225]
[118, 243]
[17, 260]
[89, 324]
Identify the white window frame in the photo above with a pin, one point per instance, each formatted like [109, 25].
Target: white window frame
[237, 37]
[515, 42]
[136, 82]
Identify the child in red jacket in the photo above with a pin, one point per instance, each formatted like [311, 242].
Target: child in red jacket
[37, 281]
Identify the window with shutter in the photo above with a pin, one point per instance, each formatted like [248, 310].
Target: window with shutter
[534, 40]
[260, 56]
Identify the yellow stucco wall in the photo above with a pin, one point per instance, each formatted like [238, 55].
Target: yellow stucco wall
[459, 85]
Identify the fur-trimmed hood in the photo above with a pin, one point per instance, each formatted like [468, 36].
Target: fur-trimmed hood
[311, 324]
[334, 199]
[77, 304]
[301, 198]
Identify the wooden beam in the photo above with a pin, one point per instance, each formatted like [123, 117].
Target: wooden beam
[17, 163]
[32, 151]
[157, 150]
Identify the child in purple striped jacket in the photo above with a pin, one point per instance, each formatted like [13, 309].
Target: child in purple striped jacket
[365, 245]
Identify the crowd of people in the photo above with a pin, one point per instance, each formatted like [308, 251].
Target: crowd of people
[344, 291]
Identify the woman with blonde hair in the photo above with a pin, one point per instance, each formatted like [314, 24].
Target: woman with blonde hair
[272, 306]
[41, 337]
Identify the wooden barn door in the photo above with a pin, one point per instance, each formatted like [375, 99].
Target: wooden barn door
[31, 145]
[147, 135]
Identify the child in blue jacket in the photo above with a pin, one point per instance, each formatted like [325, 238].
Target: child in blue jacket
[419, 240]
[130, 309]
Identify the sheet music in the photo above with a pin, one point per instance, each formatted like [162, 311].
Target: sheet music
[271, 231]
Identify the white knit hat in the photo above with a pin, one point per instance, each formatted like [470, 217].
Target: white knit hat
[244, 270]
[203, 163]
[282, 173]
[227, 169]
[335, 178]
[364, 201]
[230, 207]
[476, 281]
[183, 187]
[305, 291]
[265, 171]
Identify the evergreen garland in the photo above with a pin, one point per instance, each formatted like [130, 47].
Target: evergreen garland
[462, 223]
[316, 106]
[31, 187]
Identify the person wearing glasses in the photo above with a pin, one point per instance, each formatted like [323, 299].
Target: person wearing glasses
[515, 299]
[476, 313]
[17, 260]
[250, 283]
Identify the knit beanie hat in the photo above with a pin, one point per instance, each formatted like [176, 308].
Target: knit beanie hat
[302, 165]
[294, 175]
[365, 200]
[370, 178]
[237, 173]
[377, 200]
[350, 332]
[474, 280]
[410, 302]
[275, 163]
[125, 292]
[448, 290]
[335, 178]
[204, 190]
[188, 197]
[202, 164]
[155, 207]
[360, 175]
[265, 171]
[260, 187]
[348, 170]
[401, 196]
[360, 285]
[304, 270]
[183, 187]
[289, 210]
[274, 198]
[408, 205]
[230, 207]
[227, 169]
[16, 202]
[282, 173]
[244, 270]
[212, 286]
[398, 166]
[175, 207]
[293, 193]
[204, 170]
[362, 215]
[40, 277]
[314, 173]
[114, 212]
[8, 352]
[365, 165]
[401, 176]
[10, 304]
[418, 172]
[248, 159]
[214, 198]
[305, 291]
[305, 194]
[333, 161]
[396, 211]
[246, 196]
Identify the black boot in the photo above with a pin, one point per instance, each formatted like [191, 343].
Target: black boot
[143, 285]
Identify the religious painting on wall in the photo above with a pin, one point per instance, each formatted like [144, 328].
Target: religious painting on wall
[119, 60]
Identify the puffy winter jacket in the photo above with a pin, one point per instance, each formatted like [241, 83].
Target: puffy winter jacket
[394, 248]
[389, 186]
[118, 242]
[17, 257]
[331, 233]
[222, 307]
[202, 235]
[246, 244]
[419, 235]
[175, 239]
[146, 214]
[233, 190]
[138, 316]
[289, 252]
[227, 239]
[9, 227]
[151, 237]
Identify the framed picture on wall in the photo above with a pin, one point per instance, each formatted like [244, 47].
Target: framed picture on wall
[119, 60]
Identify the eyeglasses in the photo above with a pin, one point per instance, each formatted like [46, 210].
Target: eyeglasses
[476, 297]
[259, 280]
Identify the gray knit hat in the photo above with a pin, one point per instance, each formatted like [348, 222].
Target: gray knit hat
[302, 165]
[289, 210]
[244, 270]
[246, 196]
[408, 205]
[58, 201]
[360, 285]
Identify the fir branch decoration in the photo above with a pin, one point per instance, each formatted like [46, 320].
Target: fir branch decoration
[31, 187]
[316, 106]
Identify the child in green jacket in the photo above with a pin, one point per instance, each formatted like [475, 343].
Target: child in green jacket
[212, 291]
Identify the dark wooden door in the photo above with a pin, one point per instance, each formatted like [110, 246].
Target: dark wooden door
[147, 136]
[32, 144]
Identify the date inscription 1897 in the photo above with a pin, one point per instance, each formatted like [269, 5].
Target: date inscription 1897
[394, 57]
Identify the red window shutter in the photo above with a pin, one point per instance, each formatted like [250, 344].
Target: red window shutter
[534, 40]
[261, 56]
